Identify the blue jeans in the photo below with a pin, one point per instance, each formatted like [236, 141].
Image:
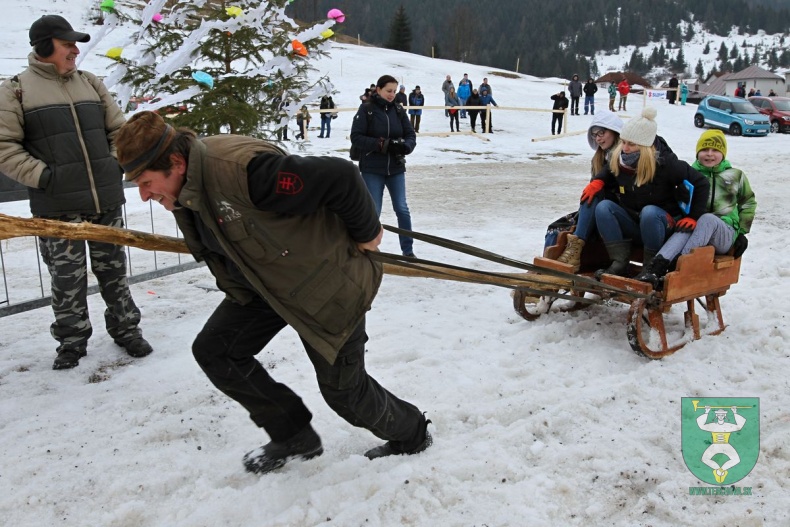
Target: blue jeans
[463, 103]
[396, 185]
[615, 224]
[326, 122]
[589, 103]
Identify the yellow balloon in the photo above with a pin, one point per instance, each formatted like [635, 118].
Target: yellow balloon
[114, 53]
[233, 11]
[327, 33]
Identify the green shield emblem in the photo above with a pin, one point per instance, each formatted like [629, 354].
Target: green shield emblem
[720, 437]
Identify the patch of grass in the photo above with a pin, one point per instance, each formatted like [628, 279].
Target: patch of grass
[505, 74]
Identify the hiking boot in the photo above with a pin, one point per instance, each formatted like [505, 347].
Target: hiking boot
[68, 358]
[572, 255]
[620, 254]
[274, 454]
[399, 448]
[137, 347]
[654, 272]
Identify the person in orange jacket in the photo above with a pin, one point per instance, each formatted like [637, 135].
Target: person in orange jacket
[624, 89]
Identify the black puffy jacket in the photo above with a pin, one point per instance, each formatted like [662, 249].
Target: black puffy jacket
[374, 123]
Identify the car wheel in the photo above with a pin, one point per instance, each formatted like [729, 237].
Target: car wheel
[699, 121]
[775, 127]
[735, 129]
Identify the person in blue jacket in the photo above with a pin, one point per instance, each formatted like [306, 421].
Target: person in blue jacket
[416, 98]
[464, 92]
[485, 100]
[382, 131]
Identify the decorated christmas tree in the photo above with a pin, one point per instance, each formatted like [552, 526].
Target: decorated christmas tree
[217, 66]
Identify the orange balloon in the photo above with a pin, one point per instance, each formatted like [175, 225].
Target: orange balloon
[299, 48]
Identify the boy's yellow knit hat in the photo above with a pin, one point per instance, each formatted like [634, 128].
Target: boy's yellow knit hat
[713, 139]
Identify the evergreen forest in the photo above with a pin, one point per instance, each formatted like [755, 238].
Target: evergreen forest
[544, 38]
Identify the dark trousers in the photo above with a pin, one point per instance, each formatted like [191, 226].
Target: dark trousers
[226, 347]
[415, 121]
[454, 119]
[473, 118]
[556, 119]
[575, 105]
[66, 261]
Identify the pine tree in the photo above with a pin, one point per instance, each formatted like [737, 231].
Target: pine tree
[723, 53]
[247, 49]
[679, 64]
[706, 49]
[400, 31]
[699, 71]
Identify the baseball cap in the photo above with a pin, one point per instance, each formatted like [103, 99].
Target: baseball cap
[55, 26]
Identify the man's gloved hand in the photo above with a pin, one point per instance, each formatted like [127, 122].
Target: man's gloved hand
[739, 245]
[686, 225]
[592, 188]
[397, 147]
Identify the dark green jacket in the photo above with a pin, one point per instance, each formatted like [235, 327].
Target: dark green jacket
[290, 224]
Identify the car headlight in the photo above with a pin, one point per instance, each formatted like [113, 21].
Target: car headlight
[786, 117]
[748, 121]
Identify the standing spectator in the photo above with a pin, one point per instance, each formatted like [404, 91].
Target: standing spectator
[473, 100]
[612, 96]
[560, 104]
[416, 98]
[223, 186]
[282, 130]
[451, 99]
[385, 138]
[751, 93]
[401, 97]
[302, 121]
[590, 88]
[758, 93]
[464, 91]
[684, 93]
[59, 129]
[485, 86]
[485, 100]
[575, 89]
[672, 93]
[446, 85]
[624, 89]
[326, 117]
[771, 93]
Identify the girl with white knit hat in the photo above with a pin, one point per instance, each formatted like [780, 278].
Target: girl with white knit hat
[648, 180]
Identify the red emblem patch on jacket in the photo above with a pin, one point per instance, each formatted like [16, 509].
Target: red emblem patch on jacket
[289, 184]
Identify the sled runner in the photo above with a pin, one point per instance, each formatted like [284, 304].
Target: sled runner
[700, 277]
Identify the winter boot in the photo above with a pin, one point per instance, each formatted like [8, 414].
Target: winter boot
[653, 272]
[273, 455]
[647, 257]
[572, 254]
[68, 358]
[138, 347]
[620, 254]
[400, 448]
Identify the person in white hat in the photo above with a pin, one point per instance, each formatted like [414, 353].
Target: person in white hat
[648, 180]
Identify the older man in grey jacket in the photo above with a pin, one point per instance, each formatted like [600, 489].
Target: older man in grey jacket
[57, 130]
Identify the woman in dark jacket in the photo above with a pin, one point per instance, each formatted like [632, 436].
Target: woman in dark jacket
[326, 117]
[473, 100]
[383, 133]
[649, 179]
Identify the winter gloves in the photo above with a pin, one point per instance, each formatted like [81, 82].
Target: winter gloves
[686, 225]
[739, 245]
[592, 188]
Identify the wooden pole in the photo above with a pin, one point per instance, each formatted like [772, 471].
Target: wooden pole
[518, 60]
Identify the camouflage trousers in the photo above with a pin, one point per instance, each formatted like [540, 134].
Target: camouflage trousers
[66, 261]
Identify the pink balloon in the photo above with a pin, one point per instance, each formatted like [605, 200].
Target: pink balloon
[157, 17]
[337, 15]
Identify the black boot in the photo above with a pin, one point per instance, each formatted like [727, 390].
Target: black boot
[647, 257]
[273, 455]
[620, 254]
[401, 448]
[654, 272]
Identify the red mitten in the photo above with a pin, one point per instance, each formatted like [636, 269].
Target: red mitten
[686, 225]
[592, 188]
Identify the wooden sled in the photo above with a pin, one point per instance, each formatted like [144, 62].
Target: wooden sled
[700, 277]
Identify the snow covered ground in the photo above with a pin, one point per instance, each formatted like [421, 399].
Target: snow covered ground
[553, 422]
